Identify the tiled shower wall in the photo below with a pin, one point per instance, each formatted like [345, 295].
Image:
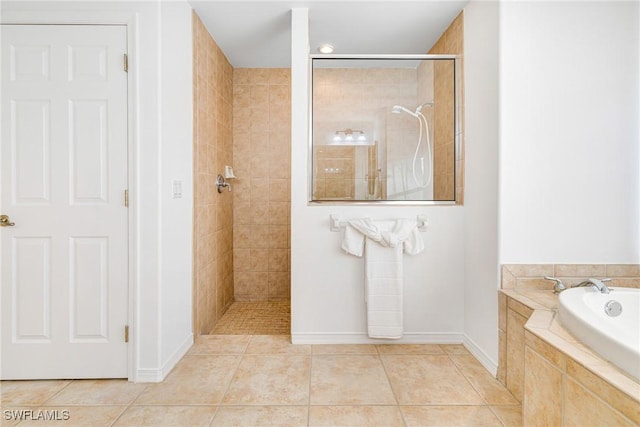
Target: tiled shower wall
[262, 195]
[213, 212]
[451, 42]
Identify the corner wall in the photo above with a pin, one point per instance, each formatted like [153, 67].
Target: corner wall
[481, 185]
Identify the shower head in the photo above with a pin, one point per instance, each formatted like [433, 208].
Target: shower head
[397, 109]
[424, 104]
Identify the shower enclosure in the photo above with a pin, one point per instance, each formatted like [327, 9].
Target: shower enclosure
[384, 128]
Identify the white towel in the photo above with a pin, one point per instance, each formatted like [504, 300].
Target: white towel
[383, 243]
[383, 290]
[386, 233]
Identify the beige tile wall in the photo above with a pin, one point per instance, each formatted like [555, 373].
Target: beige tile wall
[261, 160]
[213, 212]
[451, 42]
[531, 276]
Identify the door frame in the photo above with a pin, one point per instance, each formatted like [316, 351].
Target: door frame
[130, 21]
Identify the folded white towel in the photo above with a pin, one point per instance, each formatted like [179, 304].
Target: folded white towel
[383, 243]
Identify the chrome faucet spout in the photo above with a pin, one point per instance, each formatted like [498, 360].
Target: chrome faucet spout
[596, 283]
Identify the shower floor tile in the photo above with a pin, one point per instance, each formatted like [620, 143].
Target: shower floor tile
[255, 318]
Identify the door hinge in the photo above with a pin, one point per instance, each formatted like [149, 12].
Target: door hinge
[126, 333]
[126, 63]
[126, 198]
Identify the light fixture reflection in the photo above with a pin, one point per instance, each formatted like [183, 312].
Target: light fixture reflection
[350, 137]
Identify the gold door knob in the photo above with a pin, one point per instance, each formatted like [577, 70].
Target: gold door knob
[5, 221]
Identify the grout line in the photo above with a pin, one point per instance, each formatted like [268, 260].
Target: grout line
[496, 414]
[467, 379]
[309, 394]
[143, 389]
[57, 392]
[226, 390]
[386, 374]
[393, 391]
[215, 413]
[126, 408]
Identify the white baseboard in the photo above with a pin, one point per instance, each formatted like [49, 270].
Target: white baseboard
[361, 338]
[489, 364]
[158, 375]
[148, 376]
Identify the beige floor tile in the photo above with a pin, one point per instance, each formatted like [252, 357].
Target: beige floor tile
[167, 416]
[29, 392]
[488, 387]
[367, 416]
[343, 349]
[429, 380]
[349, 380]
[195, 380]
[410, 349]
[220, 344]
[283, 416]
[270, 380]
[89, 416]
[511, 415]
[450, 416]
[454, 349]
[98, 392]
[275, 344]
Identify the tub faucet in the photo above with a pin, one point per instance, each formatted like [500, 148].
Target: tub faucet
[558, 286]
[596, 283]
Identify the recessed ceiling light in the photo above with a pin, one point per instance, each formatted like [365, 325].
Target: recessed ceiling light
[326, 48]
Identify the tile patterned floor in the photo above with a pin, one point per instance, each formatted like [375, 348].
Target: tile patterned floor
[256, 318]
[261, 380]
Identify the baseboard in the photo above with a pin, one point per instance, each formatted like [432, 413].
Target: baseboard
[489, 364]
[158, 375]
[360, 338]
[148, 376]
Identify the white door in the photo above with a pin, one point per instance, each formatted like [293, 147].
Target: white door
[64, 172]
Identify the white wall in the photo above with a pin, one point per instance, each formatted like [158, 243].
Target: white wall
[177, 164]
[327, 285]
[481, 180]
[160, 91]
[569, 184]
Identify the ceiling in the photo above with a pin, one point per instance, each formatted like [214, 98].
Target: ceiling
[257, 34]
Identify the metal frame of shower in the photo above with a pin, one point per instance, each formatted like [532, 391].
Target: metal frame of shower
[457, 76]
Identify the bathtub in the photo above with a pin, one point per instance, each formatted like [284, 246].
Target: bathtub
[582, 311]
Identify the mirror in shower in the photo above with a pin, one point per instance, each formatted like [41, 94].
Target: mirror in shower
[384, 129]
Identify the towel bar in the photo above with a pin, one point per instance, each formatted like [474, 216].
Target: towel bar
[336, 224]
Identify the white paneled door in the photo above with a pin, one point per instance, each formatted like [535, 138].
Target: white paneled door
[64, 175]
